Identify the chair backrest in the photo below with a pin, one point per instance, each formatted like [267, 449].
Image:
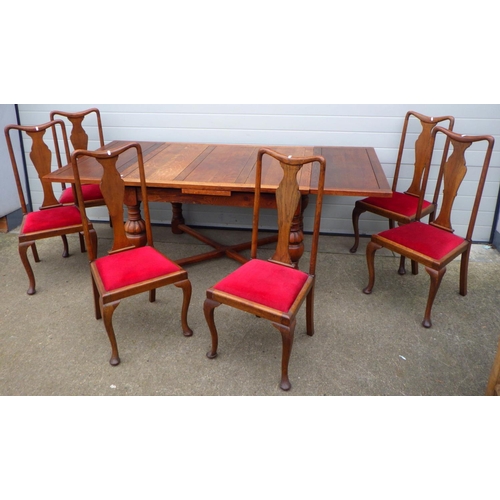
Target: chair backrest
[288, 204]
[423, 149]
[452, 172]
[79, 137]
[113, 191]
[41, 156]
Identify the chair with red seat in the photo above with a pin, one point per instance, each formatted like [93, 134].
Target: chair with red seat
[273, 290]
[52, 219]
[79, 138]
[126, 270]
[402, 207]
[434, 244]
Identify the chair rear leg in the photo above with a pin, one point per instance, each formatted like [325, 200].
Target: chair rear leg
[65, 253]
[370, 260]
[402, 266]
[287, 334]
[82, 243]
[414, 267]
[97, 302]
[186, 291]
[35, 252]
[107, 313]
[310, 313]
[209, 308]
[464, 270]
[436, 278]
[23, 253]
[94, 241]
[355, 225]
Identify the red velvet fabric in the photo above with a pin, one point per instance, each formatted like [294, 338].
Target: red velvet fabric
[51, 218]
[423, 238]
[133, 266]
[265, 283]
[90, 192]
[400, 203]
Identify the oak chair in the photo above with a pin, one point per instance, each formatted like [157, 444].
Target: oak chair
[273, 290]
[126, 270]
[53, 218]
[79, 138]
[434, 244]
[402, 207]
[493, 387]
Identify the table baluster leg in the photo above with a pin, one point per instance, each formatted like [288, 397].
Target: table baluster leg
[135, 226]
[296, 247]
[177, 218]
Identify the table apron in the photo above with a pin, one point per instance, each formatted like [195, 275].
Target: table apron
[233, 198]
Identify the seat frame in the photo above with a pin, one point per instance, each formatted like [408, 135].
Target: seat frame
[113, 189]
[452, 171]
[288, 201]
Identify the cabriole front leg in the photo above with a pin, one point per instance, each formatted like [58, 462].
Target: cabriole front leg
[23, 253]
[355, 225]
[287, 333]
[208, 308]
[107, 315]
[371, 248]
[436, 278]
[186, 291]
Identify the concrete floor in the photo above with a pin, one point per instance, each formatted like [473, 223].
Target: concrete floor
[375, 345]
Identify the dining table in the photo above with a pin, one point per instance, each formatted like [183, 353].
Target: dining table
[224, 175]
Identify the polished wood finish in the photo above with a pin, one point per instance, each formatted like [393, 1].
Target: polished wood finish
[422, 155]
[78, 136]
[493, 387]
[451, 175]
[80, 139]
[288, 199]
[41, 156]
[113, 188]
[224, 175]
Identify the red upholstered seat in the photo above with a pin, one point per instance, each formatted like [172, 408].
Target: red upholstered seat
[424, 239]
[400, 203]
[51, 218]
[91, 192]
[133, 266]
[265, 283]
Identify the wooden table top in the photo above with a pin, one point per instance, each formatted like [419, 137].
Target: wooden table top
[221, 169]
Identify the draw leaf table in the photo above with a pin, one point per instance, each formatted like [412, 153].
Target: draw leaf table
[222, 174]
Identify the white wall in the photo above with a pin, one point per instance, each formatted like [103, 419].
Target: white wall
[375, 125]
